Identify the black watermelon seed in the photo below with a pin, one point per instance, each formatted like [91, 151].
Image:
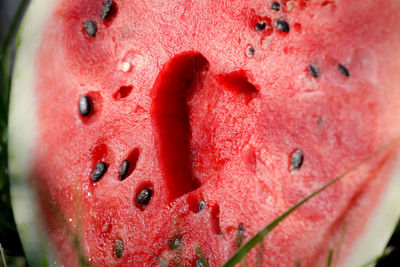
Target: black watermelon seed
[344, 70]
[282, 25]
[84, 105]
[99, 171]
[260, 26]
[199, 263]
[313, 71]
[174, 243]
[106, 9]
[119, 248]
[239, 238]
[202, 205]
[297, 160]
[123, 170]
[90, 28]
[275, 6]
[250, 51]
[143, 198]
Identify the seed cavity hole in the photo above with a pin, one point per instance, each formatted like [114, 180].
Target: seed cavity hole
[238, 83]
[176, 82]
[196, 203]
[262, 25]
[330, 5]
[249, 158]
[297, 27]
[124, 91]
[108, 11]
[215, 219]
[99, 152]
[99, 167]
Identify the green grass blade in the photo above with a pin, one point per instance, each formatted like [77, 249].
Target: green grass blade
[160, 261]
[201, 257]
[5, 57]
[3, 256]
[14, 26]
[341, 241]
[329, 261]
[7, 224]
[5, 81]
[257, 238]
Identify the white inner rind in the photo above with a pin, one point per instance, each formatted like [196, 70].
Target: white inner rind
[23, 130]
[380, 226]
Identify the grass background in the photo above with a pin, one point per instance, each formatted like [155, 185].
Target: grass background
[10, 244]
[11, 249]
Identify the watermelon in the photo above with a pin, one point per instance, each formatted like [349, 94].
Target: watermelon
[171, 132]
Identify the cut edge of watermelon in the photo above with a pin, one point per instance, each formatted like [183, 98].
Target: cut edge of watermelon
[381, 226]
[22, 135]
[22, 132]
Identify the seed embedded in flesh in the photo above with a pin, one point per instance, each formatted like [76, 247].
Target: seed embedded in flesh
[344, 70]
[106, 9]
[313, 71]
[99, 171]
[250, 51]
[199, 263]
[260, 26]
[125, 66]
[174, 243]
[84, 105]
[297, 160]
[275, 6]
[282, 25]
[239, 238]
[123, 170]
[202, 205]
[143, 198]
[90, 28]
[119, 248]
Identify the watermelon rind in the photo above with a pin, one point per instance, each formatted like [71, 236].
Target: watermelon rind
[380, 226]
[22, 132]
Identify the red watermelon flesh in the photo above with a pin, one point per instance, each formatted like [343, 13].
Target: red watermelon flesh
[228, 112]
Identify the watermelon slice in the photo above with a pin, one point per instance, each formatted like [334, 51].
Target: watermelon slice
[173, 131]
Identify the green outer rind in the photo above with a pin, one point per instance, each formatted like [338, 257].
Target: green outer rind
[23, 129]
[22, 132]
[381, 225]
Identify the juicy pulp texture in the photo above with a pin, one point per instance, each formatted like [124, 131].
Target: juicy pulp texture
[174, 90]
